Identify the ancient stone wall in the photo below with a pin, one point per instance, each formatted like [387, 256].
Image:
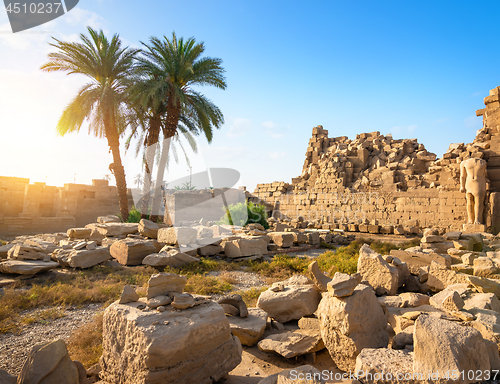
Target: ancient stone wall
[34, 208]
[376, 180]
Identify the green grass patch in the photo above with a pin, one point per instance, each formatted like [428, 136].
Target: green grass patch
[206, 285]
[250, 296]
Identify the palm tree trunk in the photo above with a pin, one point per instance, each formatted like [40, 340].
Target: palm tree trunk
[160, 172]
[173, 115]
[152, 144]
[116, 166]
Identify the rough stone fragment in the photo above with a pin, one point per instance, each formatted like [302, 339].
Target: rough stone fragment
[318, 277]
[486, 285]
[159, 301]
[343, 284]
[417, 260]
[165, 283]
[442, 346]
[210, 250]
[237, 301]
[170, 347]
[49, 363]
[147, 228]
[440, 277]
[131, 251]
[242, 247]
[292, 302]
[483, 301]
[79, 233]
[403, 338]
[108, 219]
[24, 252]
[87, 259]
[182, 300]
[177, 235]
[282, 239]
[291, 344]
[117, 229]
[173, 258]
[377, 272]
[249, 330]
[26, 267]
[372, 363]
[345, 329]
[129, 295]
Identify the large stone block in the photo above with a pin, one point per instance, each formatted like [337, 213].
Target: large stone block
[193, 345]
[290, 300]
[131, 251]
[147, 228]
[245, 247]
[440, 277]
[88, 258]
[377, 272]
[177, 235]
[117, 229]
[442, 346]
[249, 329]
[350, 324]
[26, 267]
[282, 239]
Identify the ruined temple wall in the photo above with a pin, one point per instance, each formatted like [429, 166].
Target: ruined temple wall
[399, 182]
[37, 208]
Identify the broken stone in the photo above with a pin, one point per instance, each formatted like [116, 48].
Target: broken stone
[79, 233]
[165, 283]
[131, 251]
[241, 247]
[173, 258]
[159, 301]
[282, 239]
[442, 346]
[87, 259]
[117, 229]
[396, 365]
[249, 330]
[147, 228]
[344, 328]
[483, 301]
[108, 219]
[293, 302]
[182, 300]
[440, 277]
[49, 363]
[26, 267]
[290, 344]
[377, 272]
[236, 301]
[318, 277]
[343, 284]
[403, 338]
[177, 235]
[195, 347]
[129, 295]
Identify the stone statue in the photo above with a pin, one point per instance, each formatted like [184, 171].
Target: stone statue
[473, 183]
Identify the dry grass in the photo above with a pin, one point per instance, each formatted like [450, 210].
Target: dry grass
[96, 285]
[85, 344]
[206, 285]
[225, 277]
[43, 316]
[250, 296]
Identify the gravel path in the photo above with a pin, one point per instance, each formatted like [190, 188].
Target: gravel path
[14, 349]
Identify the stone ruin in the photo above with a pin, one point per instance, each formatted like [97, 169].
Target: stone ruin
[393, 184]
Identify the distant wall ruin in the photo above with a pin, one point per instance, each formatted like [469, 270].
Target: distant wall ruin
[34, 208]
[376, 180]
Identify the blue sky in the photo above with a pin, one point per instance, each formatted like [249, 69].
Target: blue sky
[413, 69]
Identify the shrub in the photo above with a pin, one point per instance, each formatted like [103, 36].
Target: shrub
[245, 213]
[134, 215]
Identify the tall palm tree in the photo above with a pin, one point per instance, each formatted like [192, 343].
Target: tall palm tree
[170, 68]
[102, 100]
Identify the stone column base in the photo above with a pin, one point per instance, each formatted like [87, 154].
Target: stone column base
[471, 228]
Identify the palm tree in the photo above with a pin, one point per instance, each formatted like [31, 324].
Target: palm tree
[102, 100]
[170, 68]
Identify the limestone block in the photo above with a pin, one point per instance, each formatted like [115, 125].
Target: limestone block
[177, 235]
[165, 283]
[210, 250]
[79, 233]
[377, 272]
[343, 285]
[26, 267]
[131, 251]
[444, 346]
[482, 301]
[440, 277]
[249, 330]
[194, 345]
[240, 247]
[291, 344]
[344, 328]
[371, 363]
[147, 228]
[313, 238]
[88, 258]
[173, 258]
[117, 229]
[282, 239]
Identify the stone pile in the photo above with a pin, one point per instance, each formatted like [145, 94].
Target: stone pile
[168, 336]
[156, 245]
